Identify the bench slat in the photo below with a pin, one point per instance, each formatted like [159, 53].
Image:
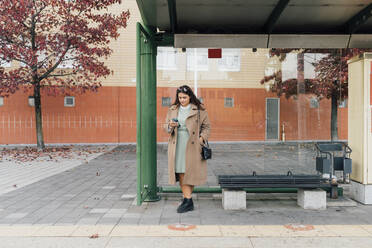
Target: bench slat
[271, 181]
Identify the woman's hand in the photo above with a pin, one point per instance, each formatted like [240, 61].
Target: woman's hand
[201, 141]
[172, 123]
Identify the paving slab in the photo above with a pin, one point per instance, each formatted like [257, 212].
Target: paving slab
[171, 242]
[87, 231]
[52, 242]
[316, 242]
[54, 231]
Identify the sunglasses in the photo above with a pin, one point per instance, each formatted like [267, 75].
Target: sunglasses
[182, 89]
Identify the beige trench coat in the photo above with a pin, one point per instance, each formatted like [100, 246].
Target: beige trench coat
[196, 168]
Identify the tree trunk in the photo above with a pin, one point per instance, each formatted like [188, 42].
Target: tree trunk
[301, 73]
[334, 127]
[301, 99]
[38, 117]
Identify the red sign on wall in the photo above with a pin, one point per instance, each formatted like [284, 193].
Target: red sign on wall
[215, 53]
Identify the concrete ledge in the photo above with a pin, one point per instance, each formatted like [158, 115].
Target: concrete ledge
[361, 192]
[234, 199]
[314, 199]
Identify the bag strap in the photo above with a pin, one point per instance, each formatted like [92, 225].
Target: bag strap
[206, 141]
[199, 121]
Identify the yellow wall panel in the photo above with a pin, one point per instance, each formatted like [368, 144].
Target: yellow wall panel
[355, 120]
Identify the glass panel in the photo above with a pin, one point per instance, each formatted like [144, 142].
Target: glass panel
[267, 107]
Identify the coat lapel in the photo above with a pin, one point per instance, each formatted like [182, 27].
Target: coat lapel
[193, 111]
[174, 113]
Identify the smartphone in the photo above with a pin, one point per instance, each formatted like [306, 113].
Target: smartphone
[176, 120]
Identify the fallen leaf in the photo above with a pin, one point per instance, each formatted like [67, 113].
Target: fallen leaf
[94, 236]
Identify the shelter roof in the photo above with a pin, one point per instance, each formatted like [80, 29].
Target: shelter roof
[262, 23]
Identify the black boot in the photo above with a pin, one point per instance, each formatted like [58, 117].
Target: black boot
[186, 205]
[181, 205]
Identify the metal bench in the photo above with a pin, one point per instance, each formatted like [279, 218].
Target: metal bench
[233, 187]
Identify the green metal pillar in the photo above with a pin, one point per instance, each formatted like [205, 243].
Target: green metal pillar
[146, 116]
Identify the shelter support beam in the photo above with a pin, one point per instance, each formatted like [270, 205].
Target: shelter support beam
[353, 24]
[172, 15]
[317, 41]
[274, 16]
[164, 39]
[146, 116]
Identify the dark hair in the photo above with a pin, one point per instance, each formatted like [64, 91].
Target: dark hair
[188, 91]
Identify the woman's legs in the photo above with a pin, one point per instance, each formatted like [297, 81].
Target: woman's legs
[186, 188]
[187, 203]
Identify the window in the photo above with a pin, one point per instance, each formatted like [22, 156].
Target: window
[314, 102]
[289, 67]
[201, 59]
[342, 104]
[309, 60]
[40, 59]
[269, 71]
[229, 102]
[68, 61]
[1, 101]
[31, 101]
[166, 101]
[230, 60]
[69, 101]
[166, 58]
[4, 63]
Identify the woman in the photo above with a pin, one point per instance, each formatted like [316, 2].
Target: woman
[188, 128]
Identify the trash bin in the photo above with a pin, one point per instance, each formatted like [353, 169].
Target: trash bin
[334, 156]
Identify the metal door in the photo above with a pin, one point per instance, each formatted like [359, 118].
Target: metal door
[272, 118]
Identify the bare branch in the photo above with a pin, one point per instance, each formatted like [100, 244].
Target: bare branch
[61, 75]
[51, 69]
[22, 61]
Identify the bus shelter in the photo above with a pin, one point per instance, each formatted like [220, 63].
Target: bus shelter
[318, 24]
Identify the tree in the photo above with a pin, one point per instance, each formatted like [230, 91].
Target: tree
[331, 79]
[59, 44]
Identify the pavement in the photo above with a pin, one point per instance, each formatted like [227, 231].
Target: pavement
[91, 203]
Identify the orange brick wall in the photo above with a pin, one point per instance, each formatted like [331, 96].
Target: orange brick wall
[109, 116]
[246, 120]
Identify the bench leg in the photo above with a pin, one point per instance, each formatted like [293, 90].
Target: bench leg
[234, 199]
[315, 199]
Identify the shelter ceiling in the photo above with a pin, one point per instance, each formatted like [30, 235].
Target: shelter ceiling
[263, 17]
